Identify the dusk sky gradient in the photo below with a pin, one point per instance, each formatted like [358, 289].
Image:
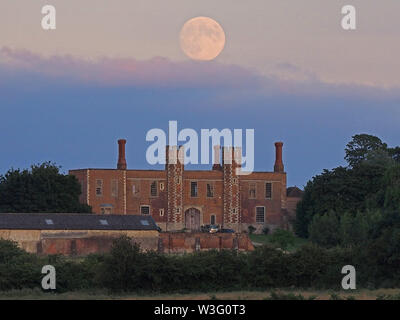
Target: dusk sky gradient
[115, 70]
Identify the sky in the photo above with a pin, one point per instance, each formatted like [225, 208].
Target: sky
[116, 70]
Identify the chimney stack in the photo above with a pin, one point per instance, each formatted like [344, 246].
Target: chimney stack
[217, 157]
[278, 167]
[121, 155]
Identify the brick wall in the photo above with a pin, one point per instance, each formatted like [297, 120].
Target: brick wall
[187, 242]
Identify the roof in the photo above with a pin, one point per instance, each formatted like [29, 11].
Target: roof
[294, 192]
[66, 221]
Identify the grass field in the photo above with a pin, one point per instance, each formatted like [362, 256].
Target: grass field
[392, 294]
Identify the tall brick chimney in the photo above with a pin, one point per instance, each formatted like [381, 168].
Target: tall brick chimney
[278, 167]
[121, 155]
[217, 156]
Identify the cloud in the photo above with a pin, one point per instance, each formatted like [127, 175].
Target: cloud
[29, 70]
[158, 72]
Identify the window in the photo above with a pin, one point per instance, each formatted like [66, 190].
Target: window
[135, 188]
[99, 187]
[252, 190]
[145, 210]
[114, 188]
[106, 210]
[260, 214]
[210, 190]
[235, 180]
[161, 212]
[212, 219]
[161, 186]
[153, 189]
[193, 189]
[268, 190]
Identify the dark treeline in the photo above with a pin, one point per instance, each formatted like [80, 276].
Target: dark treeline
[127, 269]
[42, 188]
[347, 206]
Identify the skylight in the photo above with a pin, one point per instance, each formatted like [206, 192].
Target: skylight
[104, 222]
[144, 222]
[49, 221]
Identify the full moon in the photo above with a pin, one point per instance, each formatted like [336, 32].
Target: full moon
[202, 38]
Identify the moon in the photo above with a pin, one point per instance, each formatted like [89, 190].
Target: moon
[202, 38]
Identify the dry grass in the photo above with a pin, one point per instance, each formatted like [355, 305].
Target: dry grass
[363, 294]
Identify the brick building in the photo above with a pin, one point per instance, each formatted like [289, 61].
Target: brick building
[75, 234]
[177, 198]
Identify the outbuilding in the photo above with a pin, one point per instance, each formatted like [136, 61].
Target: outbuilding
[76, 234]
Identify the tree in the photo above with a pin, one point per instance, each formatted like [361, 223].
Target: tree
[324, 230]
[361, 147]
[389, 196]
[124, 266]
[365, 184]
[341, 190]
[41, 189]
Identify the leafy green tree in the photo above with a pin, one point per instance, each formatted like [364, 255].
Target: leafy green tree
[391, 187]
[41, 189]
[354, 229]
[365, 184]
[124, 266]
[324, 230]
[341, 190]
[361, 147]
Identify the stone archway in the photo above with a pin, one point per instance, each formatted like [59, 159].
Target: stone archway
[192, 219]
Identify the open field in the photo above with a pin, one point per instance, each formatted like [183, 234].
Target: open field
[284, 294]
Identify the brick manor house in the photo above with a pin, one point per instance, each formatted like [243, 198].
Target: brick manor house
[177, 198]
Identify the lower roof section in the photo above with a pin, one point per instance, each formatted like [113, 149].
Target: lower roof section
[73, 221]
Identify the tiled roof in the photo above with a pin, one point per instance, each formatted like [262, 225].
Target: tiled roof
[64, 221]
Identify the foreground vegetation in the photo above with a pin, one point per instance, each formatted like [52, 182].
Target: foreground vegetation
[283, 239]
[127, 269]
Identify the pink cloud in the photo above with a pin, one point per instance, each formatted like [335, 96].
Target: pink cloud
[158, 72]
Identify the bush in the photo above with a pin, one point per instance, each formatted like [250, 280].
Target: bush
[282, 238]
[265, 230]
[251, 229]
[324, 230]
[18, 269]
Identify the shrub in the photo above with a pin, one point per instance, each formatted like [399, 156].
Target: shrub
[324, 229]
[282, 238]
[251, 229]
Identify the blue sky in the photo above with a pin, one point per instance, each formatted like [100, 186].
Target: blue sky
[76, 121]
[115, 70]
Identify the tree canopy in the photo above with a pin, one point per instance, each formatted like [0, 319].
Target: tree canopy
[370, 181]
[41, 189]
